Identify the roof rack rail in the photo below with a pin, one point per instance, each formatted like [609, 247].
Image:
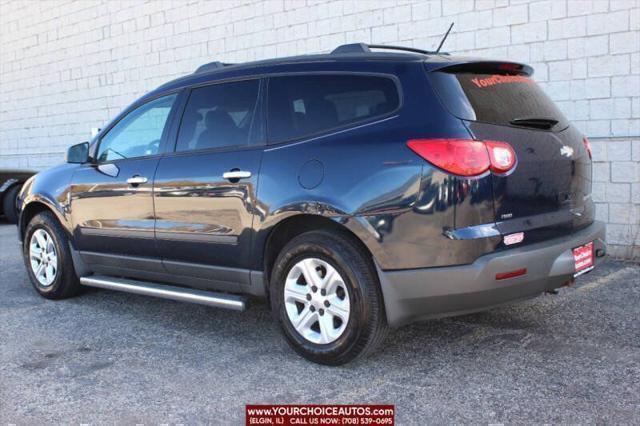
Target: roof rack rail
[210, 66]
[366, 48]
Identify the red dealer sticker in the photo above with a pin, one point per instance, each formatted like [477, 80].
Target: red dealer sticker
[320, 415]
[583, 257]
[494, 79]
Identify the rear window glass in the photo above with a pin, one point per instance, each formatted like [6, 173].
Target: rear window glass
[304, 105]
[495, 98]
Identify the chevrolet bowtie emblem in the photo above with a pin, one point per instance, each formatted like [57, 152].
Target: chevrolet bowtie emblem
[566, 151]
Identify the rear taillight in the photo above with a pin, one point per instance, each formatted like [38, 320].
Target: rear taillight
[502, 156]
[587, 145]
[466, 157]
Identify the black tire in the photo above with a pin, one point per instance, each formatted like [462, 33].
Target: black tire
[366, 327]
[66, 283]
[9, 204]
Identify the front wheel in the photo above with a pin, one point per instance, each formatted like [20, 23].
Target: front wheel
[325, 293]
[48, 259]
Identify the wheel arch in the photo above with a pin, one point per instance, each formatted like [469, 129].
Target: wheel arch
[37, 205]
[292, 226]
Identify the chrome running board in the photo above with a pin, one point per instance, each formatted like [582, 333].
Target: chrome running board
[201, 297]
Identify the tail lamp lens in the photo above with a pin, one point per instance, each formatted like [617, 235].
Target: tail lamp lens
[587, 145]
[458, 156]
[466, 157]
[502, 156]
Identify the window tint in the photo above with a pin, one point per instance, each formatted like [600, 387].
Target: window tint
[218, 116]
[495, 98]
[302, 105]
[138, 133]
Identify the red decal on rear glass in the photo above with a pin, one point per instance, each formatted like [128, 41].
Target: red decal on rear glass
[500, 79]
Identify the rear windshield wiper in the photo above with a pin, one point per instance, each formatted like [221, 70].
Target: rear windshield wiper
[535, 122]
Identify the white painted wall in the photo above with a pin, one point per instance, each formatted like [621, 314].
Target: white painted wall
[68, 66]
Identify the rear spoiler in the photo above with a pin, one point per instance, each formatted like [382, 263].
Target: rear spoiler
[481, 66]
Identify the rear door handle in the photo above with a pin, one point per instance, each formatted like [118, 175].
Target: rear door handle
[236, 174]
[137, 180]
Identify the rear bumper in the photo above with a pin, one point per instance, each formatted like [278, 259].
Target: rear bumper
[415, 294]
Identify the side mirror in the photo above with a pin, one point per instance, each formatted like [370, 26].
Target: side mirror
[78, 153]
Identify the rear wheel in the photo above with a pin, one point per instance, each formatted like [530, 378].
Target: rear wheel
[9, 204]
[48, 258]
[326, 296]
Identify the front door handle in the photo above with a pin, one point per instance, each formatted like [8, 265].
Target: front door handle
[236, 174]
[137, 180]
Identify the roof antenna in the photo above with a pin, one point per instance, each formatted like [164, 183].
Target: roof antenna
[444, 38]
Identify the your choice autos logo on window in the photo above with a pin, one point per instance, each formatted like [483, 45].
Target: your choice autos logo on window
[500, 79]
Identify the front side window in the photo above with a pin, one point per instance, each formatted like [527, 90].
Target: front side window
[139, 133]
[218, 116]
[303, 105]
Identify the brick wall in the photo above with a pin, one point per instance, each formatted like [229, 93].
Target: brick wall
[69, 66]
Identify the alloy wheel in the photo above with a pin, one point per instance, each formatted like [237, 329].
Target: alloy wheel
[43, 257]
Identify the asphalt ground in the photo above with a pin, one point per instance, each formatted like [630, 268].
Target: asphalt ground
[107, 357]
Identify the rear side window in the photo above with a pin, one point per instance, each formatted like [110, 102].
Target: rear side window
[304, 105]
[218, 116]
[495, 98]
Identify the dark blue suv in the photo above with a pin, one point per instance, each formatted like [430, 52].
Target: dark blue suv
[356, 191]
